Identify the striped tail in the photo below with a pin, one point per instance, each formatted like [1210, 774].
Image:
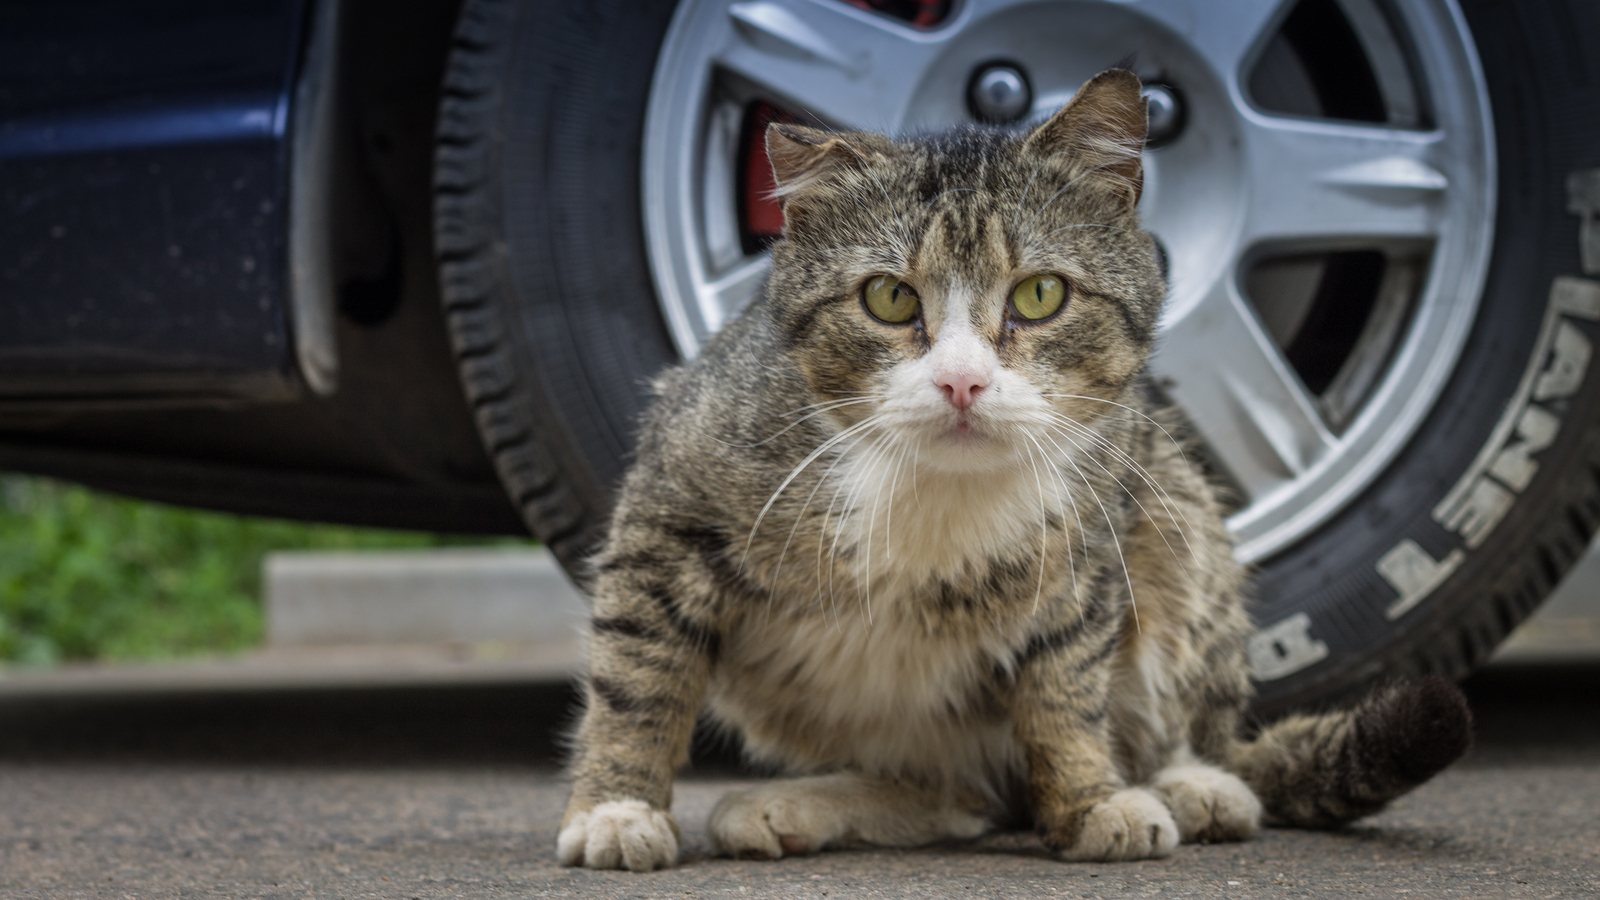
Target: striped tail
[1320, 771]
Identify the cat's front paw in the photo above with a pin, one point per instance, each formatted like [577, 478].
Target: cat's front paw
[1208, 804]
[619, 834]
[1130, 824]
[767, 823]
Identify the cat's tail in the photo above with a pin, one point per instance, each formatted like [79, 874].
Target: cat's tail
[1319, 771]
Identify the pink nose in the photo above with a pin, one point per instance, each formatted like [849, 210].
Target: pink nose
[961, 389]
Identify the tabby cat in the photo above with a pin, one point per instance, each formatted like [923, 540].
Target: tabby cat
[916, 529]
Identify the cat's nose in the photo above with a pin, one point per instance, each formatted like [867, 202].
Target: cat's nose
[961, 389]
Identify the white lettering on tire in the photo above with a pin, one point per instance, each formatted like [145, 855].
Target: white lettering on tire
[1284, 648]
[1583, 201]
[1505, 466]
[1414, 574]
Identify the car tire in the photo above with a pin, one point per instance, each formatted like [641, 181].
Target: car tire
[555, 321]
[550, 306]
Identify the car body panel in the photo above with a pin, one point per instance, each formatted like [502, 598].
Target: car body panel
[142, 197]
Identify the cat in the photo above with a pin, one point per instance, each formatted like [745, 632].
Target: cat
[915, 528]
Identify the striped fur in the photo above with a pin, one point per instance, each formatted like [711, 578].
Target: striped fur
[941, 620]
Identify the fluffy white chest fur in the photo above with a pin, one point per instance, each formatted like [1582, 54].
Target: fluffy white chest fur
[863, 675]
[910, 524]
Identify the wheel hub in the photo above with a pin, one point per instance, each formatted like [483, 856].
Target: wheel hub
[999, 94]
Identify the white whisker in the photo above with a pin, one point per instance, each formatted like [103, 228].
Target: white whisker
[1111, 527]
[840, 404]
[795, 473]
[888, 520]
[801, 409]
[865, 588]
[1175, 442]
[1083, 535]
[1162, 493]
[1174, 512]
[800, 516]
[1044, 523]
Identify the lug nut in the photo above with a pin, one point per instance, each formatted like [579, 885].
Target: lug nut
[1165, 109]
[999, 94]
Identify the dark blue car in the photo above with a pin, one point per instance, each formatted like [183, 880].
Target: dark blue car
[412, 264]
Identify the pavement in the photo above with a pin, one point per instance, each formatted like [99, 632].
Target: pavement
[340, 763]
[453, 791]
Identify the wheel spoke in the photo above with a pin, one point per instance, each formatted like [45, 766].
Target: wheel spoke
[1227, 373]
[849, 68]
[1320, 180]
[1224, 36]
[724, 295]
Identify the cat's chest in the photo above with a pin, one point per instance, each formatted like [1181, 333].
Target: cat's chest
[907, 531]
[918, 585]
[844, 664]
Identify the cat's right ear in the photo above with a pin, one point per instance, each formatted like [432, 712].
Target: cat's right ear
[1104, 128]
[803, 156]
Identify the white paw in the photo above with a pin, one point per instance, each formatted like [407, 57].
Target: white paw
[1208, 804]
[619, 834]
[1130, 824]
[769, 823]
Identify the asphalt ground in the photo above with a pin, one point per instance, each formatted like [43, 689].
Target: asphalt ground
[454, 792]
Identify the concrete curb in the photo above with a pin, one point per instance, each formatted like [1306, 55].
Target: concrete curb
[331, 666]
[419, 597]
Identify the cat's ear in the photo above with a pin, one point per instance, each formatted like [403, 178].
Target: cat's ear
[1104, 126]
[802, 156]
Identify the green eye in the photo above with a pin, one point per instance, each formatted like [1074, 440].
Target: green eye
[889, 299]
[1039, 296]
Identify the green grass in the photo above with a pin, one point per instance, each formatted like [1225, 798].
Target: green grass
[89, 576]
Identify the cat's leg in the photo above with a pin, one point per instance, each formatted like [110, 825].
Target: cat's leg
[1082, 808]
[1180, 679]
[804, 815]
[650, 657]
[1175, 689]
[1208, 804]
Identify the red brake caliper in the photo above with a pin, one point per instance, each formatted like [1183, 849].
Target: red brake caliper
[760, 214]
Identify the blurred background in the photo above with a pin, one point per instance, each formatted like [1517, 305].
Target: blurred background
[92, 577]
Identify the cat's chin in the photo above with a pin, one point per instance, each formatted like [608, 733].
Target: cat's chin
[964, 436]
[967, 447]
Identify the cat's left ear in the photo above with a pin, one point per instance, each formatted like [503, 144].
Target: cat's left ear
[1104, 126]
[803, 156]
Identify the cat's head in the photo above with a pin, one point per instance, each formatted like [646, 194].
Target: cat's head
[970, 287]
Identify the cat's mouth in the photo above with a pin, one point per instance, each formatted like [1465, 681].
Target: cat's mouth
[964, 430]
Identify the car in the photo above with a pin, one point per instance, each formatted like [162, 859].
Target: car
[414, 264]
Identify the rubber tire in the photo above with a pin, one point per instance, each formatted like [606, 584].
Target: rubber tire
[550, 305]
[555, 322]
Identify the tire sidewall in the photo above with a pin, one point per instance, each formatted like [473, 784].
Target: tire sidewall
[1333, 579]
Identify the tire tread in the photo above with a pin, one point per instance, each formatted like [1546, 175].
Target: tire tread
[474, 288]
